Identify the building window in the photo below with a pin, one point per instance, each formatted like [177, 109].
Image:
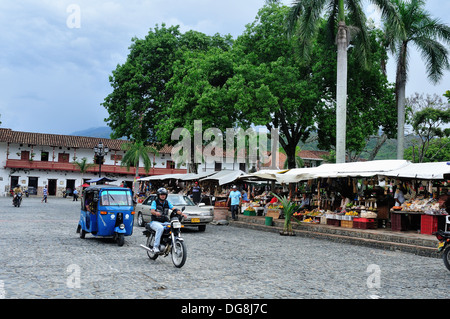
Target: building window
[170, 164]
[217, 166]
[44, 156]
[63, 158]
[116, 157]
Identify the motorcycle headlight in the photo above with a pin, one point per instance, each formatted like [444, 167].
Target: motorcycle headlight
[122, 226]
[176, 225]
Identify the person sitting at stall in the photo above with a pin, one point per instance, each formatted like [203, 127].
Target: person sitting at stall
[305, 204]
[344, 201]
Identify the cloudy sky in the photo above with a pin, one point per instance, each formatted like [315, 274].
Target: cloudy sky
[56, 55]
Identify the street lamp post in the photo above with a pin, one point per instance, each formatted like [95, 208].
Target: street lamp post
[100, 152]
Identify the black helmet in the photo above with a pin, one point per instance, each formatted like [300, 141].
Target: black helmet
[161, 191]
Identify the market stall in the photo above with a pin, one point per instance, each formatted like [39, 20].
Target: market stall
[423, 208]
[344, 194]
[370, 190]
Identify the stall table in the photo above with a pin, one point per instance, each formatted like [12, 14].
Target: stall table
[412, 220]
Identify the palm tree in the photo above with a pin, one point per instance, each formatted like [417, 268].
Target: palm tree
[304, 17]
[134, 152]
[83, 166]
[425, 33]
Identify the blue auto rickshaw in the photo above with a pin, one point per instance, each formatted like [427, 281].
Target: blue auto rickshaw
[106, 211]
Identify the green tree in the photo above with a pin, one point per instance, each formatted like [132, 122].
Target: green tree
[428, 124]
[271, 86]
[304, 17]
[257, 81]
[139, 84]
[429, 35]
[199, 91]
[438, 150]
[140, 93]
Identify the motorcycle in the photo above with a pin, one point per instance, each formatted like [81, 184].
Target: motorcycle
[171, 241]
[443, 245]
[17, 200]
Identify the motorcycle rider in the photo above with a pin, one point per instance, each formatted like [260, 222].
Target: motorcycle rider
[159, 220]
[16, 191]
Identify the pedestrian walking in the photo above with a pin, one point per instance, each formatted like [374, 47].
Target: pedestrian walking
[196, 193]
[44, 192]
[236, 199]
[75, 195]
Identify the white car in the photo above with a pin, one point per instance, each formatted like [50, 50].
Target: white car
[197, 215]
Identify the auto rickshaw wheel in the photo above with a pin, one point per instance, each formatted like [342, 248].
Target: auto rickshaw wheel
[120, 239]
[81, 231]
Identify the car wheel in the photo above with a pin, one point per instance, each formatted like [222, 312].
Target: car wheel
[140, 220]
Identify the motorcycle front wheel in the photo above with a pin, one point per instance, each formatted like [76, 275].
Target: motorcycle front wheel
[179, 253]
[150, 242]
[446, 257]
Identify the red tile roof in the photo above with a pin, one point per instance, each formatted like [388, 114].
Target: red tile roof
[8, 135]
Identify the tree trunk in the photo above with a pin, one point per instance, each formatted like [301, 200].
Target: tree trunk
[380, 141]
[341, 92]
[400, 91]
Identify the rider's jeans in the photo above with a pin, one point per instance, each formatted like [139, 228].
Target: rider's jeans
[158, 228]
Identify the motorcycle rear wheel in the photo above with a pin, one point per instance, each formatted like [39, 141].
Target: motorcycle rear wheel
[150, 241]
[178, 253]
[446, 257]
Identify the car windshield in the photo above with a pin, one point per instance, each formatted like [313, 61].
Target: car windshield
[179, 200]
[116, 198]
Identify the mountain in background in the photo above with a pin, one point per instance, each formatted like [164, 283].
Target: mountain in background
[101, 132]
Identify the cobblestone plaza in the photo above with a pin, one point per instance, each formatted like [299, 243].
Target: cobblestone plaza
[41, 256]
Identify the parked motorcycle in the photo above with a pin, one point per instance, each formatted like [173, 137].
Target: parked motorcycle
[17, 200]
[171, 241]
[444, 240]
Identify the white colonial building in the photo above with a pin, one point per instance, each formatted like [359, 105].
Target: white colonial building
[36, 160]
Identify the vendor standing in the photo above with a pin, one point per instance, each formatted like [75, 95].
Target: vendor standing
[399, 197]
[196, 193]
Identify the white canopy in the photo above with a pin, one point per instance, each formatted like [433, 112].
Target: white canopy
[360, 169]
[161, 177]
[264, 174]
[192, 176]
[225, 176]
[352, 169]
[435, 170]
